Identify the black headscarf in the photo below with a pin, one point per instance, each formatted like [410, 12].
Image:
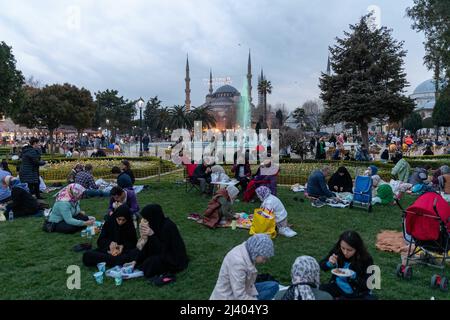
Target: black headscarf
[154, 214]
[123, 235]
[344, 181]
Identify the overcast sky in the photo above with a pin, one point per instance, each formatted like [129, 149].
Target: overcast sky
[139, 47]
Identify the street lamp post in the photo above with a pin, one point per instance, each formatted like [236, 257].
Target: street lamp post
[140, 105]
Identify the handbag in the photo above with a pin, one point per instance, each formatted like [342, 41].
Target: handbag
[263, 222]
[48, 226]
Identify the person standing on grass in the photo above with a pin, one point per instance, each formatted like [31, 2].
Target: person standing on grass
[66, 216]
[238, 272]
[29, 169]
[348, 253]
[116, 241]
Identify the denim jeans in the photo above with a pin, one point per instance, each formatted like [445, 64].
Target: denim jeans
[267, 289]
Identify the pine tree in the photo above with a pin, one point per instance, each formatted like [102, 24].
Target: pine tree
[441, 111]
[368, 80]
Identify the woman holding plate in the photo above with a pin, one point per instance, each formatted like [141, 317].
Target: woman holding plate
[349, 262]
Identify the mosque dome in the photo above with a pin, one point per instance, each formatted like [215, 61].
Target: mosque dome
[426, 87]
[227, 90]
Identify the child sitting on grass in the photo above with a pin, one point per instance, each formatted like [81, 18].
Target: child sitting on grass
[348, 253]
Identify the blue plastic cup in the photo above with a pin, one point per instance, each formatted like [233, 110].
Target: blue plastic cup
[118, 279]
[101, 266]
[98, 277]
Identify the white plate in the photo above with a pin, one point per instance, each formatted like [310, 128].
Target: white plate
[344, 272]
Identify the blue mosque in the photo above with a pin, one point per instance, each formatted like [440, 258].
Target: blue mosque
[425, 97]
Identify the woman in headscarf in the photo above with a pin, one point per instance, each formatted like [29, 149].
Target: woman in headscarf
[238, 272]
[341, 181]
[272, 203]
[161, 248]
[66, 215]
[23, 203]
[116, 241]
[305, 274]
[220, 207]
[218, 174]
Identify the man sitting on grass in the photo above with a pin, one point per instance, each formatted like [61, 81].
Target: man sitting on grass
[317, 186]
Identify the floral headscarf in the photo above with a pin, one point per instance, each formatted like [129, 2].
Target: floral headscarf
[72, 193]
[263, 193]
[259, 244]
[305, 274]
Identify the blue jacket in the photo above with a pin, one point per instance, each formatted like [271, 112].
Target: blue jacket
[5, 192]
[317, 185]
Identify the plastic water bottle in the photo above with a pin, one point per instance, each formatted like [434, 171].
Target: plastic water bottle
[11, 215]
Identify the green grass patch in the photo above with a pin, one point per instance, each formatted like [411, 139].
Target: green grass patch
[33, 263]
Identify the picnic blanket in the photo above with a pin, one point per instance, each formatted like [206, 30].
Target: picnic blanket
[298, 188]
[243, 222]
[113, 272]
[391, 241]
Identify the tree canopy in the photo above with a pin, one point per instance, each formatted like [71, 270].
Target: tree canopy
[368, 78]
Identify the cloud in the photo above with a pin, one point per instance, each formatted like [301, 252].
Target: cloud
[139, 47]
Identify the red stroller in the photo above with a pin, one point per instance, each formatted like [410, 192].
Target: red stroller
[426, 227]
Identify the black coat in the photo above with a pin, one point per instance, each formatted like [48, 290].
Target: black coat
[123, 235]
[29, 169]
[168, 245]
[23, 203]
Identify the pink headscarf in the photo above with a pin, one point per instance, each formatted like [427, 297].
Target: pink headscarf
[72, 193]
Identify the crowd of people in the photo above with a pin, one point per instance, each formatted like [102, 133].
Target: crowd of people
[150, 241]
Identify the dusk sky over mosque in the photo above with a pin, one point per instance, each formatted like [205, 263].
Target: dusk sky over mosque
[139, 47]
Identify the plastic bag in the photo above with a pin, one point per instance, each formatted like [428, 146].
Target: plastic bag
[263, 222]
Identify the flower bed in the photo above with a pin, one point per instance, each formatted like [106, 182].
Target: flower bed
[59, 170]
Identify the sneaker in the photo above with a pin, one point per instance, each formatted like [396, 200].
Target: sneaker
[287, 232]
[317, 203]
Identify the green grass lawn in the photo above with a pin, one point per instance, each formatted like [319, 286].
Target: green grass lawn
[33, 264]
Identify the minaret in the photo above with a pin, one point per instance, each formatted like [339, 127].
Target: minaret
[188, 87]
[210, 82]
[249, 78]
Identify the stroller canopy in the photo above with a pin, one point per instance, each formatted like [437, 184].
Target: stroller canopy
[421, 221]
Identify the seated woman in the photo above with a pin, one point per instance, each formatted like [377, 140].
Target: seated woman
[220, 207]
[341, 181]
[242, 173]
[348, 253]
[272, 203]
[218, 174]
[305, 274]
[444, 181]
[125, 166]
[161, 248]
[401, 168]
[121, 196]
[437, 173]
[116, 241]
[23, 203]
[66, 215]
[238, 272]
[265, 175]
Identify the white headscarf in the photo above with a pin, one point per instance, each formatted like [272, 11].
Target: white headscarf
[305, 273]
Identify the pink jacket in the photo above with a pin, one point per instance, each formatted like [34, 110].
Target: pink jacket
[236, 277]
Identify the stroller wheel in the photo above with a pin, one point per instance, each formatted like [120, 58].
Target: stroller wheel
[434, 281]
[369, 209]
[399, 271]
[444, 284]
[407, 273]
[351, 205]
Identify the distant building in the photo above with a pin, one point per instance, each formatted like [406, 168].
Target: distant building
[425, 98]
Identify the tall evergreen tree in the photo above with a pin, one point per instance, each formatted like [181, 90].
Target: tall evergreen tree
[368, 80]
[11, 81]
[432, 17]
[151, 115]
[413, 122]
[441, 111]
